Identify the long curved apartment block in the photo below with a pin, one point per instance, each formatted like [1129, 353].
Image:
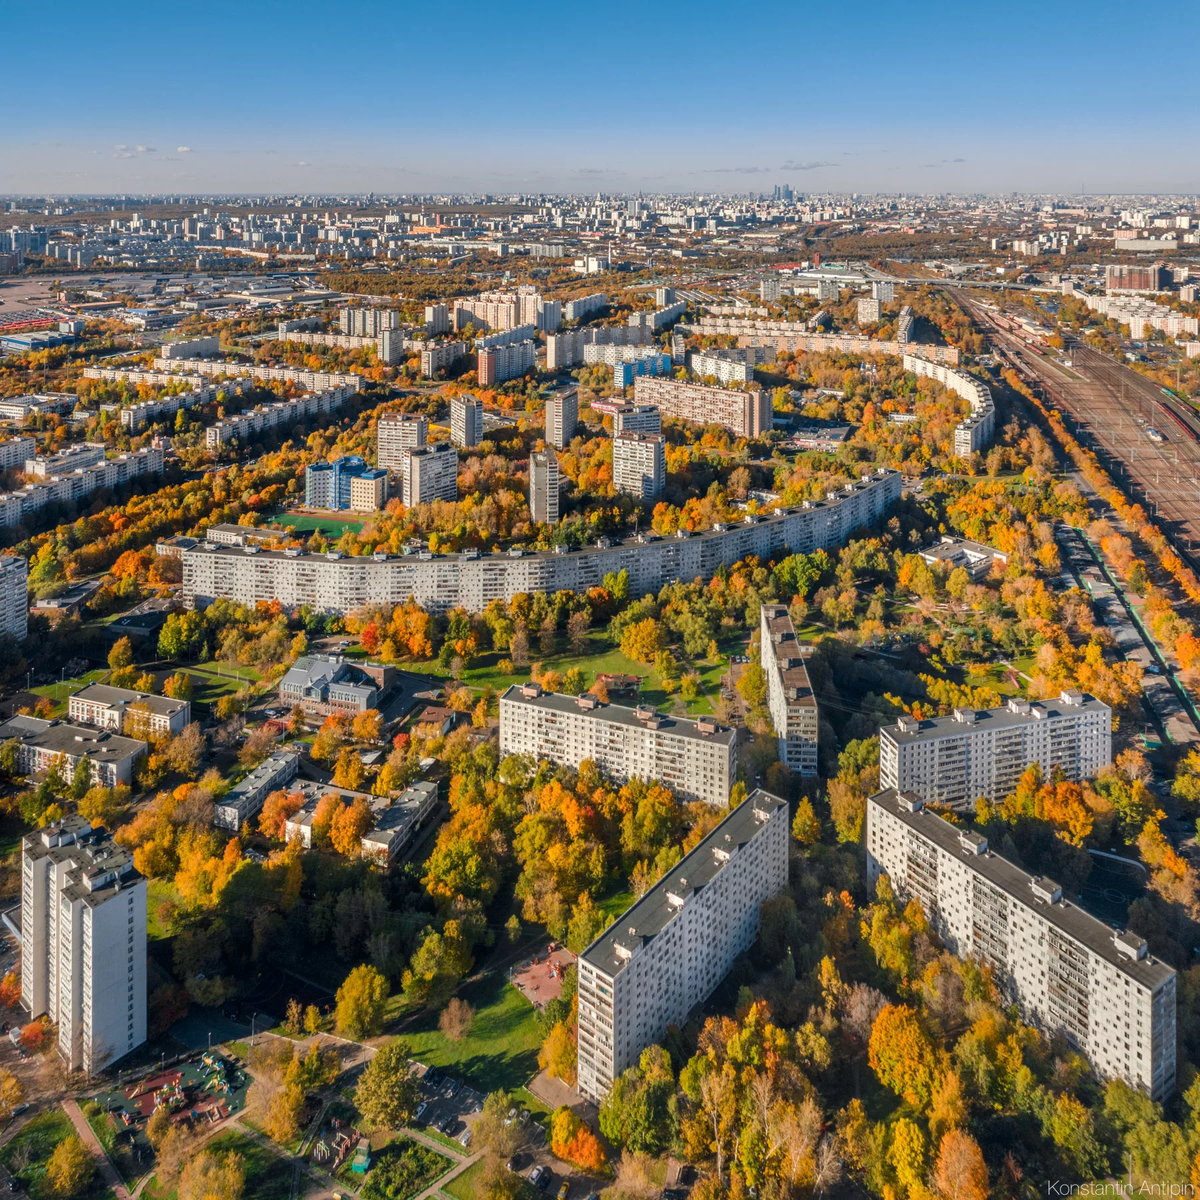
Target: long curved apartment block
[335, 582]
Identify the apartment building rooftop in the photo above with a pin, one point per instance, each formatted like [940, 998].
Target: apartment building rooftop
[1014, 713]
[103, 867]
[639, 924]
[1123, 950]
[704, 729]
[786, 648]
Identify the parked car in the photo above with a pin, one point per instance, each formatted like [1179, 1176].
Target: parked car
[540, 1177]
[422, 1108]
[564, 1189]
[465, 1137]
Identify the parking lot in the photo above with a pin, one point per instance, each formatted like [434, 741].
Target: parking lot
[446, 1105]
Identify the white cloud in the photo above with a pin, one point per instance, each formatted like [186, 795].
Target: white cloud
[183, 149]
[144, 149]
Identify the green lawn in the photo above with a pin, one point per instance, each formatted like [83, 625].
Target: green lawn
[61, 692]
[330, 526]
[600, 659]
[462, 1187]
[37, 1139]
[267, 1178]
[158, 891]
[12, 830]
[466, 1186]
[501, 1049]
[210, 681]
[434, 1136]
[119, 1150]
[614, 905]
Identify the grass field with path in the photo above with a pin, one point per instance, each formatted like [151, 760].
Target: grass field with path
[601, 658]
[37, 1139]
[500, 1051]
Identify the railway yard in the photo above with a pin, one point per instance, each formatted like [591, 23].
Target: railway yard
[1148, 439]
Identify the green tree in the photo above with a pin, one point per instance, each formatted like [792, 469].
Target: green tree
[388, 1092]
[639, 1114]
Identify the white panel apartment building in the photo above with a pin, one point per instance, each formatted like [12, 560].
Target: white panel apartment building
[695, 759]
[977, 431]
[983, 752]
[14, 596]
[1067, 970]
[335, 582]
[430, 473]
[395, 435]
[640, 464]
[562, 417]
[466, 421]
[83, 942]
[667, 953]
[790, 698]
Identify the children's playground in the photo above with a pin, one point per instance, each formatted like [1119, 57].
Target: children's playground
[196, 1093]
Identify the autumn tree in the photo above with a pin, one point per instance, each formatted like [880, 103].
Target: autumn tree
[806, 826]
[960, 1172]
[367, 725]
[210, 1176]
[350, 822]
[11, 1094]
[349, 773]
[455, 1020]
[557, 1056]
[120, 656]
[278, 808]
[901, 1054]
[642, 640]
[70, 1168]
[360, 1003]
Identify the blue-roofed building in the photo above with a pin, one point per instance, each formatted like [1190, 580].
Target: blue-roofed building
[649, 364]
[345, 483]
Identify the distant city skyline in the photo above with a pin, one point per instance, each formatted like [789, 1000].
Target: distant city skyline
[271, 98]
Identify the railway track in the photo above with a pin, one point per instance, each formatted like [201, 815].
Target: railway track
[1113, 410]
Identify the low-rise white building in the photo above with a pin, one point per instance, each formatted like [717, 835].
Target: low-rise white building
[1069, 972]
[246, 798]
[128, 711]
[108, 757]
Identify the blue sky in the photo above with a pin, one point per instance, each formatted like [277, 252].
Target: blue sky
[925, 97]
